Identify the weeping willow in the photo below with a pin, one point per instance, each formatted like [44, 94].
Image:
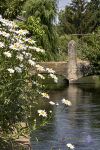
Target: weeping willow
[46, 10]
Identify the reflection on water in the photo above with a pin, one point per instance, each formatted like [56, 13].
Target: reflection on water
[79, 124]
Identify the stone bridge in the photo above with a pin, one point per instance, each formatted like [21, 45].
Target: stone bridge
[68, 71]
[72, 69]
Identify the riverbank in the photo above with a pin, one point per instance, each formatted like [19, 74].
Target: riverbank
[21, 143]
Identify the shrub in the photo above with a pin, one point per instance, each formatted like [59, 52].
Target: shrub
[18, 96]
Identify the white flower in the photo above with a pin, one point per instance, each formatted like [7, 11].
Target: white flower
[20, 57]
[69, 145]
[12, 24]
[21, 65]
[30, 41]
[8, 23]
[54, 77]
[0, 32]
[18, 69]
[45, 95]
[3, 33]
[20, 41]
[2, 44]
[52, 103]
[28, 55]
[22, 32]
[40, 68]
[37, 49]
[66, 102]
[31, 62]
[35, 83]
[18, 46]
[41, 76]
[49, 70]
[57, 104]
[11, 70]
[0, 16]
[7, 54]
[55, 80]
[42, 113]
[13, 46]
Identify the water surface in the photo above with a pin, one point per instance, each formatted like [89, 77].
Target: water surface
[79, 124]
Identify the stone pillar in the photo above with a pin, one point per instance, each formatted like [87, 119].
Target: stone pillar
[72, 62]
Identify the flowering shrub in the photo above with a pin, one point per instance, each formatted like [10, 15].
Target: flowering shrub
[20, 93]
[18, 96]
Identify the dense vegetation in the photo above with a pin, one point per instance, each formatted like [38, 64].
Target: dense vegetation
[20, 92]
[18, 51]
[80, 17]
[81, 21]
[38, 17]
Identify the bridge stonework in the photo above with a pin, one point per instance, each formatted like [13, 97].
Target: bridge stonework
[59, 67]
[62, 68]
[72, 69]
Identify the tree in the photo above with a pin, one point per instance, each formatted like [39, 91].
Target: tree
[66, 21]
[45, 10]
[79, 9]
[2, 6]
[11, 8]
[93, 15]
[80, 17]
[72, 18]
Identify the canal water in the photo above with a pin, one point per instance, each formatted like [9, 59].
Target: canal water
[78, 124]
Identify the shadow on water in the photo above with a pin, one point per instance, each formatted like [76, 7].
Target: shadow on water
[78, 124]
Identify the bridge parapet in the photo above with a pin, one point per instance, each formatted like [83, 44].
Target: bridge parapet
[59, 67]
[72, 69]
[84, 68]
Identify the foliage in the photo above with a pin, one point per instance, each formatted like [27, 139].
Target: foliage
[62, 45]
[33, 25]
[36, 29]
[81, 20]
[72, 18]
[10, 144]
[18, 99]
[11, 8]
[45, 10]
[89, 48]
[39, 16]
[93, 15]
[79, 17]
